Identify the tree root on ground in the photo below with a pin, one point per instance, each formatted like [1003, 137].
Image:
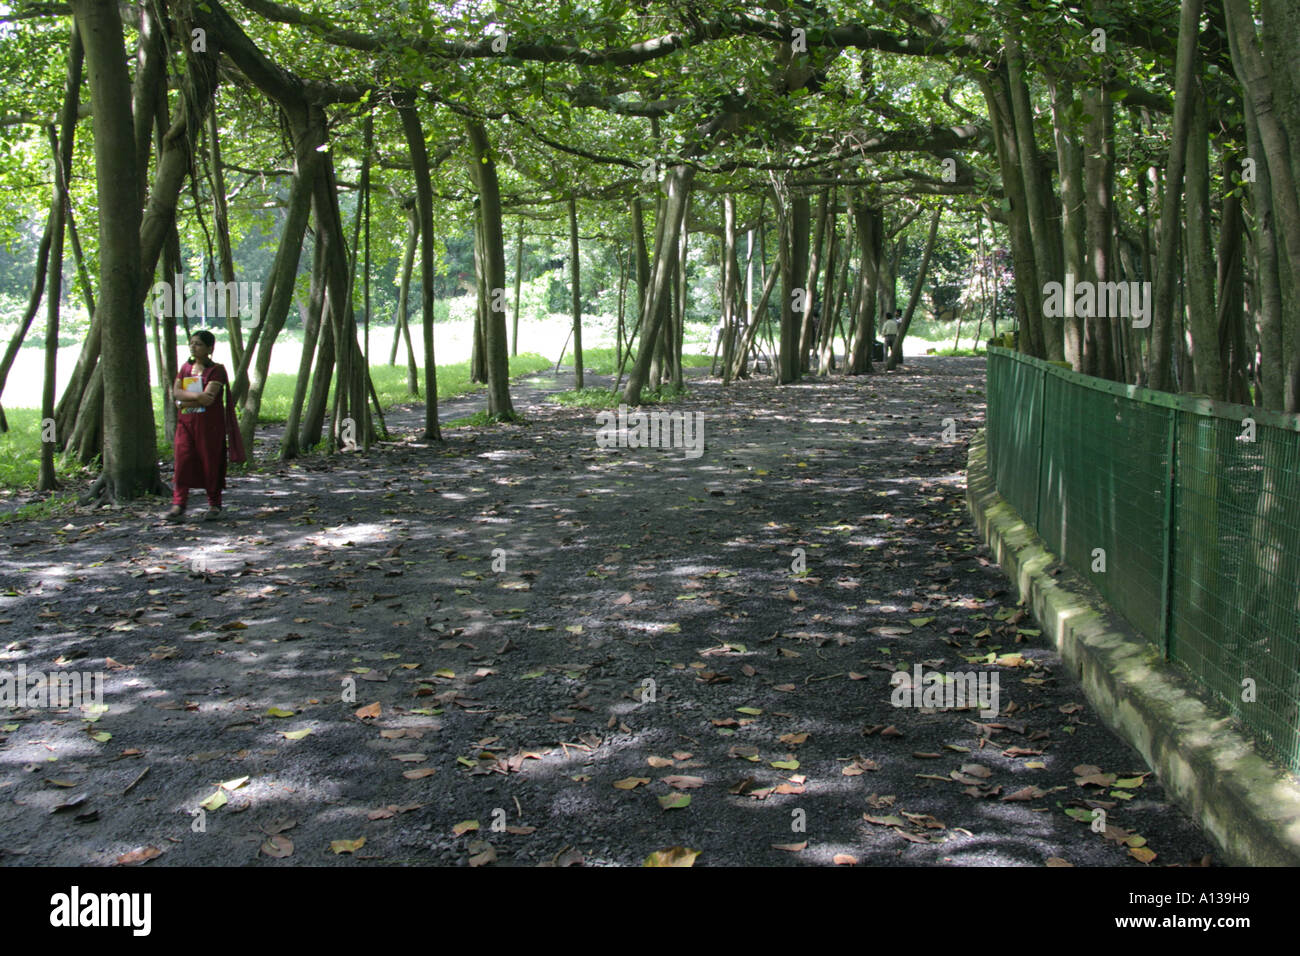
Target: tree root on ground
[103, 492]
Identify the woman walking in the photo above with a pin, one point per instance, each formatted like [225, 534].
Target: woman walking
[202, 429]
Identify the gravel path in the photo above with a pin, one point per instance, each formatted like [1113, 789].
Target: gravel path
[520, 648]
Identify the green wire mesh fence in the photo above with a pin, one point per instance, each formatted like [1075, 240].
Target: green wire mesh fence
[1184, 513]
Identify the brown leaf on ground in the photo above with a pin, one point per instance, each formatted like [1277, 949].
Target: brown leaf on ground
[141, 854]
[923, 820]
[683, 781]
[1026, 793]
[278, 847]
[858, 766]
[1096, 780]
[742, 787]
[484, 853]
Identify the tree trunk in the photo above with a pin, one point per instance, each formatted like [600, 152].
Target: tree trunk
[403, 327]
[1099, 180]
[896, 354]
[807, 333]
[681, 298]
[792, 252]
[316, 304]
[1230, 296]
[309, 134]
[1162, 328]
[678, 185]
[1266, 298]
[221, 224]
[1011, 163]
[424, 205]
[498, 356]
[730, 280]
[869, 222]
[519, 273]
[478, 372]
[1201, 267]
[1038, 192]
[576, 289]
[130, 447]
[1281, 162]
[62, 165]
[1069, 160]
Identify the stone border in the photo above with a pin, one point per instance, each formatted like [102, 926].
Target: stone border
[1248, 806]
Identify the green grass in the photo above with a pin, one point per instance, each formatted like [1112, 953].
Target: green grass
[960, 353]
[480, 419]
[20, 452]
[602, 362]
[604, 398]
[53, 506]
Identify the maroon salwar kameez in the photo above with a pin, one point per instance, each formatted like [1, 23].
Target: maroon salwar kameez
[201, 441]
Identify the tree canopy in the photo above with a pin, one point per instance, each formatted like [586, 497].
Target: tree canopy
[1134, 167]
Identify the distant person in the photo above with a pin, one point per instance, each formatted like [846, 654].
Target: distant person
[204, 434]
[890, 331]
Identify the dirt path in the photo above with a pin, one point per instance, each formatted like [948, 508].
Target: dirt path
[520, 697]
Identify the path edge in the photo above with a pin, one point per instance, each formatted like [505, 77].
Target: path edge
[1248, 806]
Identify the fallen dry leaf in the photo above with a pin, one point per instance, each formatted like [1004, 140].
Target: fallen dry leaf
[139, 855]
[673, 856]
[278, 847]
[683, 781]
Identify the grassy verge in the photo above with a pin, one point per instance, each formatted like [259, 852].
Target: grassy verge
[604, 398]
[602, 361]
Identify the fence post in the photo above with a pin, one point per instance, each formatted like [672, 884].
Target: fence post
[1167, 573]
[1042, 429]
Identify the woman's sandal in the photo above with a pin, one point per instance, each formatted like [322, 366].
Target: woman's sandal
[176, 514]
[212, 514]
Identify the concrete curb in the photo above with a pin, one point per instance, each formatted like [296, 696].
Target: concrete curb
[1248, 806]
